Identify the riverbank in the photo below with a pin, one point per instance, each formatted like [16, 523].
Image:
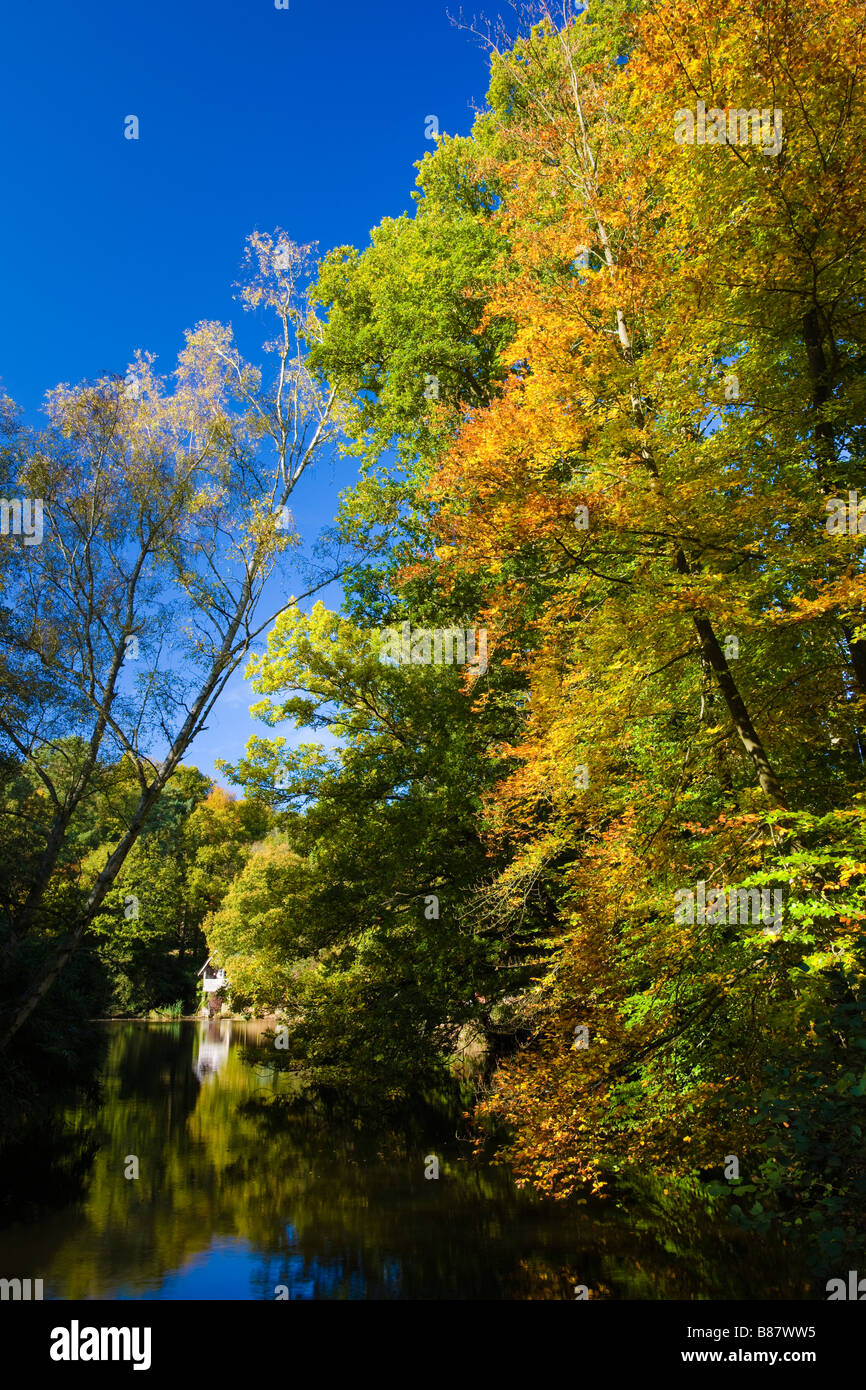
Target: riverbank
[156, 1017]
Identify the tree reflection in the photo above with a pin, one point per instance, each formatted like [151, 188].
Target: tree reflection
[246, 1186]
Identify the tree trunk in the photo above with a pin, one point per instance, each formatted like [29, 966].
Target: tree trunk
[737, 710]
[749, 737]
[64, 953]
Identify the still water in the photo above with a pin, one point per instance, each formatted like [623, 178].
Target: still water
[240, 1197]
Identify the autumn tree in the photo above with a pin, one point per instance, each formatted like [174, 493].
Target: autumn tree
[637, 503]
[647, 497]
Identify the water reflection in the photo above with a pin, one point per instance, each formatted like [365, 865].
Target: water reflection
[213, 1047]
[239, 1196]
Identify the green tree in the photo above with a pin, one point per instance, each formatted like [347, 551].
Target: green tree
[363, 922]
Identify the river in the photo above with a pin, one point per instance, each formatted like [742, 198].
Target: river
[187, 1177]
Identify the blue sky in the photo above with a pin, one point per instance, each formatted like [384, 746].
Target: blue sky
[249, 117]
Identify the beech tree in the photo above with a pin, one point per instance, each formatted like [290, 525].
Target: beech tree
[634, 490]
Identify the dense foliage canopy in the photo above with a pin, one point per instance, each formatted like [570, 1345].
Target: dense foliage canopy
[605, 386]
